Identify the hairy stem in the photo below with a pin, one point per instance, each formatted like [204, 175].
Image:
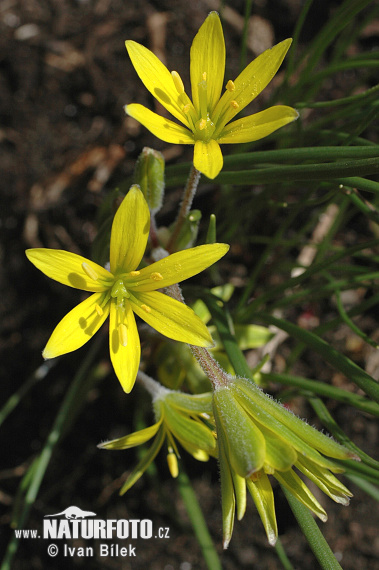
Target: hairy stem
[185, 206]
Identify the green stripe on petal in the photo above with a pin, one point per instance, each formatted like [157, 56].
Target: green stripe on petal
[239, 484]
[318, 440]
[140, 469]
[130, 230]
[208, 158]
[156, 78]
[161, 127]
[244, 441]
[208, 55]
[263, 411]
[67, 268]
[263, 497]
[171, 318]
[298, 488]
[327, 482]
[125, 358]
[228, 500]
[77, 327]
[193, 433]
[179, 266]
[133, 439]
[257, 126]
[250, 83]
[279, 454]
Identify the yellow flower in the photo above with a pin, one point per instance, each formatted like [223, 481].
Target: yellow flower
[258, 437]
[125, 290]
[179, 416]
[206, 117]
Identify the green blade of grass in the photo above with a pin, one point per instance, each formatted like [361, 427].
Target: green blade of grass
[317, 387]
[198, 522]
[312, 533]
[330, 354]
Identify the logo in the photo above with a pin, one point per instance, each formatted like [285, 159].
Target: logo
[73, 513]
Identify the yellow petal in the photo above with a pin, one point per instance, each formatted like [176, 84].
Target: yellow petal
[77, 327]
[67, 268]
[250, 83]
[257, 126]
[171, 318]
[125, 358]
[130, 230]
[156, 78]
[292, 482]
[139, 470]
[208, 55]
[179, 266]
[263, 497]
[161, 127]
[133, 439]
[208, 158]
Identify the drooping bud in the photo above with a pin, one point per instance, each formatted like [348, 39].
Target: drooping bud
[149, 175]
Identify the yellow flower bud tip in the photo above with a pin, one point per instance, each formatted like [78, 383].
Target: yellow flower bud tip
[123, 334]
[234, 104]
[202, 124]
[146, 308]
[135, 273]
[99, 310]
[172, 463]
[88, 270]
[177, 82]
[156, 276]
[230, 86]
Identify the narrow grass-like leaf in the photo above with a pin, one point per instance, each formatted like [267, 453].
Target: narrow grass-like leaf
[316, 387]
[330, 354]
[312, 533]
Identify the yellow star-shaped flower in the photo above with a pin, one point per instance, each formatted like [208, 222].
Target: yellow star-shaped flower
[125, 290]
[206, 117]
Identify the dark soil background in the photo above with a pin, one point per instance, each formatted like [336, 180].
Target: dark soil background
[64, 142]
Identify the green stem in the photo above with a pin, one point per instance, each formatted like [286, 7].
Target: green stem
[312, 533]
[198, 522]
[185, 206]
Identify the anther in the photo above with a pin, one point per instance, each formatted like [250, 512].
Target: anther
[186, 108]
[135, 273]
[122, 334]
[99, 310]
[177, 82]
[146, 308]
[234, 104]
[202, 124]
[156, 276]
[230, 85]
[204, 76]
[90, 271]
[172, 463]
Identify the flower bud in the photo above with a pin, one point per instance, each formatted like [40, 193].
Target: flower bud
[149, 175]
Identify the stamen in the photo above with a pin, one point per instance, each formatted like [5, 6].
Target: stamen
[177, 82]
[202, 124]
[99, 310]
[90, 271]
[230, 86]
[186, 108]
[146, 308]
[234, 104]
[156, 276]
[172, 463]
[204, 76]
[122, 334]
[135, 273]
